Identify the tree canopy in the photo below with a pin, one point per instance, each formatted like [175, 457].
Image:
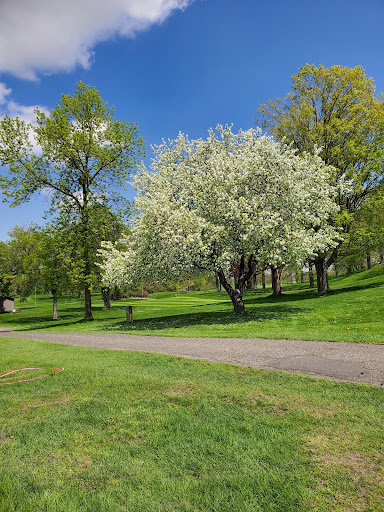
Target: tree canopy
[21, 259]
[231, 198]
[366, 233]
[336, 111]
[83, 158]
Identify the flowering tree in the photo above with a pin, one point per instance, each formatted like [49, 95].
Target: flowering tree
[206, 204]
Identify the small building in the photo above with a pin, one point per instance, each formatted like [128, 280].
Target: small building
[7, 304]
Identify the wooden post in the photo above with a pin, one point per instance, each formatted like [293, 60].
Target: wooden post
[128, 314]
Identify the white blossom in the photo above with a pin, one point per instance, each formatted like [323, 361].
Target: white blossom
[204, 203]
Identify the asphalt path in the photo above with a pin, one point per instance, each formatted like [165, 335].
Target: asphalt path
[351, 362]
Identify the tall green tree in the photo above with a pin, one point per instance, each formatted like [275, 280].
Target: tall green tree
[103, 224]
[85, 157]
[335, 109]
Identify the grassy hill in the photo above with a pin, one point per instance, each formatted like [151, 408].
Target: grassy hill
[352, 311]
[121, 430]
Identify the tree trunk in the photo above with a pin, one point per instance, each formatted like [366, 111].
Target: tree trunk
[311, 277]
[369, 263]
[87, 304]
[276, 280]
[251, 284]
[86, 255]
[245, 272]
[234, 293]
[237, 301]
[106, 297]
[263, 281]
[322, 274]
[54, 316]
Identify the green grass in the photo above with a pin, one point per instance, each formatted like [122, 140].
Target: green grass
[352, 311]
[125, 431]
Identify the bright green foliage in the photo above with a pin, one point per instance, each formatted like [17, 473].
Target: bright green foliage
[59, 251]
[366, 234]
[336, 110]
[22, 259]
[51, 257]
[56, 260]
[54, 256]
[84, 156]
[103, 224]
[6, 277]
[38, 258]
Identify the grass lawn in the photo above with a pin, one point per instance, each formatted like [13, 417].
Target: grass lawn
[125, 431]
[352, 311]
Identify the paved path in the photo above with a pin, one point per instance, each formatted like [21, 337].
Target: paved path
[343, 361]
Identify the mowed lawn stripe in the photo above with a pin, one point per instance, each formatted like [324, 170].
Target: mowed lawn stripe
[352, 311]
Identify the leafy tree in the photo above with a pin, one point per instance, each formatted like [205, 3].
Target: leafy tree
[22, 259]
[366, 234]
[104, 224]
[38, 257]
[6, 277]
[224, 203]
[56, 262]
[85, 155]
[60, 253]
[336, 110]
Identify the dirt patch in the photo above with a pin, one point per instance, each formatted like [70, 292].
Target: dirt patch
[63, 400]
[181, 391]
[84, 463]
[5, 439]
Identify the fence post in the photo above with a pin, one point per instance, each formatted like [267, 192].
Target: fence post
[128, 314]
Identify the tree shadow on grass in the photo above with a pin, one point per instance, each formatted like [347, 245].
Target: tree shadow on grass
[258, 309]
[222, 317]
[306, 294]
[42, 323]
[70, 316]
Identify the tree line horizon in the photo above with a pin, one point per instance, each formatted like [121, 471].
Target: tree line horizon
[233, 204]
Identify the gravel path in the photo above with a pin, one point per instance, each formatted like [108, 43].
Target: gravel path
[343, 361]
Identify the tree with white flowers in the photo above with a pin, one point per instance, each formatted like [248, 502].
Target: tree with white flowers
[229, 201]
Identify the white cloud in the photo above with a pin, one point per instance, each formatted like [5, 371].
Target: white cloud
[4, 91]
[13, 109]
[24, 112]
[44, 36]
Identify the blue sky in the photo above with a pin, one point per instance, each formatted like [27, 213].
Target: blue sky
[174, 65]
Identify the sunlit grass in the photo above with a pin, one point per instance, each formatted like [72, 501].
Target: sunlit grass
[352, 311]
[125, 431]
